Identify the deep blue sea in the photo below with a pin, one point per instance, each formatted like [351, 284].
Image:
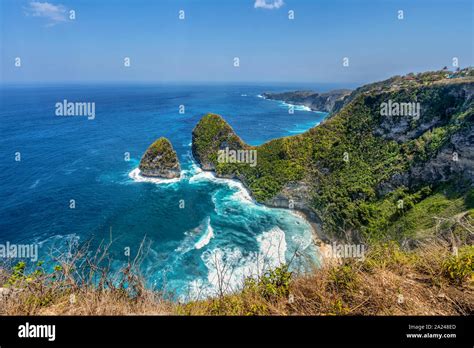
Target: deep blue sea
[73, 158]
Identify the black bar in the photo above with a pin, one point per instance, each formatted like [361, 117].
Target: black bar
[172, 330]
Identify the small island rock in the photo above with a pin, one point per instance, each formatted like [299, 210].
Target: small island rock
[160, 160]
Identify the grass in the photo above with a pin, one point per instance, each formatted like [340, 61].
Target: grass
[428, 280]
[389, 281]
[433, 212]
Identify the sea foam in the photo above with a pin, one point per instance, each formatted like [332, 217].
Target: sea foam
[296, 107]
[229, 267]
[136, 176]
[206, 237]
[242, 193]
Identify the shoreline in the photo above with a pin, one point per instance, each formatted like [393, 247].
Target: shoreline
[286, 102]
[317, 241]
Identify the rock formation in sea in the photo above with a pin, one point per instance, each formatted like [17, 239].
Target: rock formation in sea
[212, 134]
[160, 160]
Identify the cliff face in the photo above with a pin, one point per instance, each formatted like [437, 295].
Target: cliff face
[326, 102]
[209, 136]
[351, 172]
[456, 158]
[160, 160]
[443, 134]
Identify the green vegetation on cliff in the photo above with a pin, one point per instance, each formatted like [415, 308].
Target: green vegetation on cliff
[365, 171]
[211, 135]
[160, 160]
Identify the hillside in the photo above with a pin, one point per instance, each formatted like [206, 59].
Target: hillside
[360, 172]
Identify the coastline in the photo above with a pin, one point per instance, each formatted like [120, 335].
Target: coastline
[328, 102]
[287, 103]
[314, 226]
[317, 241]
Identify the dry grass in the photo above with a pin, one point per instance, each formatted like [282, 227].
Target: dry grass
[389, 281]
[85, 302]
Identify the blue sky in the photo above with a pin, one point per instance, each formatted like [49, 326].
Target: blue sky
[202, 47]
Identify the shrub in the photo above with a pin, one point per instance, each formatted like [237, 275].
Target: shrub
[343, 278]
[459, 268]
[273, 284]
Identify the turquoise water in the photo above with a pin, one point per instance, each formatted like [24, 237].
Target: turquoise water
[195, 226]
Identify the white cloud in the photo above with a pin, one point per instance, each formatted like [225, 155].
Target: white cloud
[269, 4]
[53, 13]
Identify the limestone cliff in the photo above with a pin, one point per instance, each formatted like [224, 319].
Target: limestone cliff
[209, 136]
[351, 172]
[160, 160]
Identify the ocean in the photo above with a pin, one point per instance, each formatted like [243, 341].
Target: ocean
[69, 180]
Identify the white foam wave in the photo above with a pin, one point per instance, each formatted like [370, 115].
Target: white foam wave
[229, 267]
[58, 239]
[272, 245]
[189, 241]
[195, 169]
[137, 177]
[242, 193]
[206, 237]
[296, 107]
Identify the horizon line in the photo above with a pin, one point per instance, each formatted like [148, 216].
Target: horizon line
[219, 82]
[177, 82]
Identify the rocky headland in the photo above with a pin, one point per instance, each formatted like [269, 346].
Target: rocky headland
[361, 173]
[325, 102]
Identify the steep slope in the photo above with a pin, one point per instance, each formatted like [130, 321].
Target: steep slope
[211, 135]
[361, 170]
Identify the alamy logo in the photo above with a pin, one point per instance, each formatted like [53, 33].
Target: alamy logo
[20, 251]
[37, 331]
[355, 251]
[392, 108]
[66, 108]
[237, 156]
